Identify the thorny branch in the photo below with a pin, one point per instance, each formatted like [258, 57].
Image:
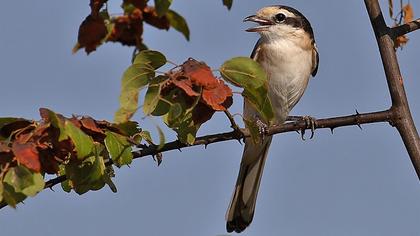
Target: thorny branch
[330, 123]
[401, 115]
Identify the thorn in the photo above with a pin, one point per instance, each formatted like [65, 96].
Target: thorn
[357, 120]
[332, 130]
[179, 149]
[239, 140]
[51, 188]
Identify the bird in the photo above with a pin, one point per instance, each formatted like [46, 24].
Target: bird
[287, 52]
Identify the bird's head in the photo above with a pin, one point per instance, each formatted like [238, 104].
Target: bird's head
[280, 22]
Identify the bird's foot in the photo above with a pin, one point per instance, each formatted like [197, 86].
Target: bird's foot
[310, 124]
[262, 129]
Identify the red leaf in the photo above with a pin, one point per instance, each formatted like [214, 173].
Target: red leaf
[90, 124]
[185, 84]
[151, 17]
[27, 155]
[95, 6]
[216, 95]
[199, 73]
[202, 113]
[127, 31]
[91, 32]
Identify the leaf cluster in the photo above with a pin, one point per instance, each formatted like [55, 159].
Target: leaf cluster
[77, 147]
[99, 27]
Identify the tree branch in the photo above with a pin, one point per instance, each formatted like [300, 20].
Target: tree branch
[405, 28]
[401, 115]
[330, 123]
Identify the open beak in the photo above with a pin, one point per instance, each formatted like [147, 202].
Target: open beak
[263, 23]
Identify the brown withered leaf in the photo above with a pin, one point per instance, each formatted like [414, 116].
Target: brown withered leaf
[202, 113]
[216, 94]
[215, 91]
[151, 17]
[91, 32]
[400, 41]
[185, 84]
[13, 127]
[95, 6]
[199, 73]
[27, 154]
[49, 163]
[90, 124]
[408, 13]
[127, 30]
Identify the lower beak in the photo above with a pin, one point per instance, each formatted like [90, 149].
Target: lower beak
[263, 23]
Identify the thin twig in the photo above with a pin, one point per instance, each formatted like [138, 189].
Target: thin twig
[405, 28]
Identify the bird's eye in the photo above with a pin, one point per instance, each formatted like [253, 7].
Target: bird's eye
[280, 17]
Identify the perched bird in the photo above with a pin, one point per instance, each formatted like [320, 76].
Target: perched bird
[287, 52]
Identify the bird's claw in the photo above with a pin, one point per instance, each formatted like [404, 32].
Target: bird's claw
[262, 128]
[310, 124]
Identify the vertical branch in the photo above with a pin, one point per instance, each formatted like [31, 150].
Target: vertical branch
[401, 115]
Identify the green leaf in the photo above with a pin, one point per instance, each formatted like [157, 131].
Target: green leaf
[248, 74]
[228, 3]
[151, 99]
[146, 136]
[162, 6]
[10, 196]
[82, 142]
[184, 127]
[136, 77]
[161, 108]
[174, 112]
[87, 175]
[24, 180]
[161, 138]
[150, 58]
[178, 23]
[129, 128]
[119, 148]
[56, 122]
[65, 185]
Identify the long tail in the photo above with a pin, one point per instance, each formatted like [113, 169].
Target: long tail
[242, 206]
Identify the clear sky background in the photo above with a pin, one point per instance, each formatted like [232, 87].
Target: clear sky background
[354, 182]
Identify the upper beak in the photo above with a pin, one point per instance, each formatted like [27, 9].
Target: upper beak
[263, 23]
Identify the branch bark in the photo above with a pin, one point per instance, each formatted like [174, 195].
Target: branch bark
[405, 28]
[401, 115]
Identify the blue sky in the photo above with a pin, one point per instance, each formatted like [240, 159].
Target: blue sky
[354, 182]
